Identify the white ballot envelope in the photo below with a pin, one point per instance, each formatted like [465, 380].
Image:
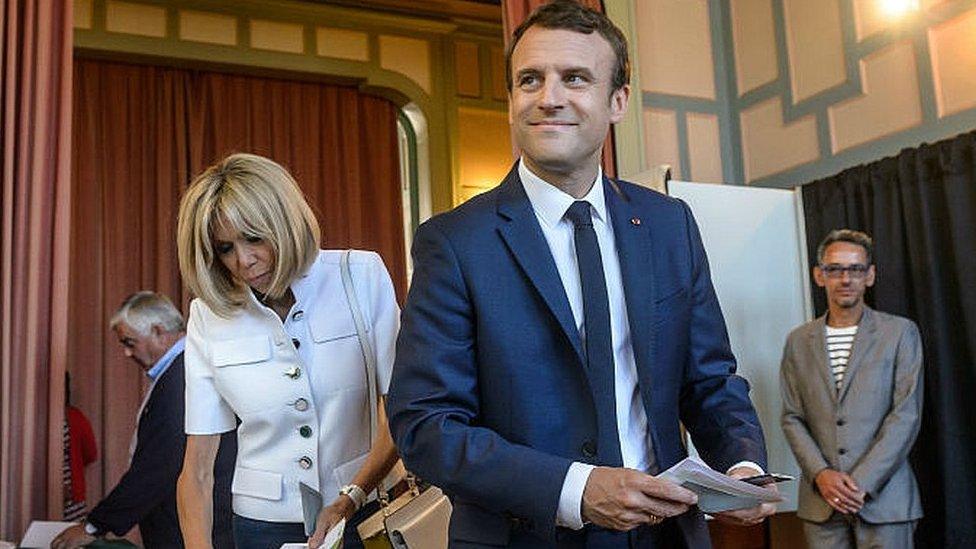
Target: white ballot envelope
[41, 533]
[333, 540]
[717, 492]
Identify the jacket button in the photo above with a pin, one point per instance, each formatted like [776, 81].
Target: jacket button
[296, 343]
[841, 422]
[297, 315]
[305, 431]
[301, 405]
[589, 449]
[842, 451]
[305, 462]
[294, 372]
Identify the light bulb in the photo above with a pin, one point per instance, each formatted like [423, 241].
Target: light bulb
[898, 8]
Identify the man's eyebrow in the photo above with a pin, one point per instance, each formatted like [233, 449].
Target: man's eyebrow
[582, 70]
[523, 72]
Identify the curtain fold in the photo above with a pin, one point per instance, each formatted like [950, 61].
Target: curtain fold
[141, 133]
[920, 208]
[130, 164]
[35, 140]
[516, 11]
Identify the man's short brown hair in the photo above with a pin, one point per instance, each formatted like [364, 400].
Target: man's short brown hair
[571, 15]
[845, 235]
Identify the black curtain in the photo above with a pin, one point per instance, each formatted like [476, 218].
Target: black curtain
[920, 208]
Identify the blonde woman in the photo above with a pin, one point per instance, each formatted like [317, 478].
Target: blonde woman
[271, 340]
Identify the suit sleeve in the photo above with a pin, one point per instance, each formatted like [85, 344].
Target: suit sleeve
[793, 420]
[151, 477]
[714, 402]
[893, 441]
[433, 401]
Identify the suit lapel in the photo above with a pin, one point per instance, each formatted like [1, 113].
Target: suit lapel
[862, 339]
[522, 234]
[635, 252]
[817, 341]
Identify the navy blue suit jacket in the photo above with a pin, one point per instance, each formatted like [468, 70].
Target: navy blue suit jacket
[146, 493]
[490, 399]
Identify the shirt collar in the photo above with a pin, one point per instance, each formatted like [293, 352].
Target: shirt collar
[161, 365]
[550, 202]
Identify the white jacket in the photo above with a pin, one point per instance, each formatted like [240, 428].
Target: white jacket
[302, 407]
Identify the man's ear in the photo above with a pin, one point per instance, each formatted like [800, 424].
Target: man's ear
[618, 103]
[818, 276]
[869, 280]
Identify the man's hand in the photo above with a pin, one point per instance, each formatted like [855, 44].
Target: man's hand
[752, 515]
[341, 508]
[73, 537]
[623, 499]
[839, 491]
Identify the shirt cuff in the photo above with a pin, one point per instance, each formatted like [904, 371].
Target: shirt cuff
[569, 514]
[751, 465]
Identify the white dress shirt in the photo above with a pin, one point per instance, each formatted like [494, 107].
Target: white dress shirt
[550, 205]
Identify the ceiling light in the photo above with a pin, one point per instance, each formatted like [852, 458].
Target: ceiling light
[898, 8]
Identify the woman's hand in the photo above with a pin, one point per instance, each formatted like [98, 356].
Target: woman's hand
[330, 515]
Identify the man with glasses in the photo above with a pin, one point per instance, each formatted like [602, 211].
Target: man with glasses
[852, 404]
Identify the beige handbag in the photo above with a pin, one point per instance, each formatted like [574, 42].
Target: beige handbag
[417, 519]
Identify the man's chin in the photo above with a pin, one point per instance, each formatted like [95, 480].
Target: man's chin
[847, 303]
[551, 161]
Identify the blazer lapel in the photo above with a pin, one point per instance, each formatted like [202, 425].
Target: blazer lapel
[635, 252]
[817, 339]
[862, 339]
[522, 234]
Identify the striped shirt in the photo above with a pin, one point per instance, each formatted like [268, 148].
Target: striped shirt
[840, 341]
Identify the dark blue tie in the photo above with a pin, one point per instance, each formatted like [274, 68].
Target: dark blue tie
[596, 322]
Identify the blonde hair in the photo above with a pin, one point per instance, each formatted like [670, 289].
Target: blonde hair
[257, 197]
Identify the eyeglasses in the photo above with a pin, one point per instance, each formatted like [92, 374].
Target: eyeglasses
[836, 270]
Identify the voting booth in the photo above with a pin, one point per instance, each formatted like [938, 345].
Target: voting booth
[756, 247]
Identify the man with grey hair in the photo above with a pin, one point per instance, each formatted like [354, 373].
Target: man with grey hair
[852, 405]
[151, 332]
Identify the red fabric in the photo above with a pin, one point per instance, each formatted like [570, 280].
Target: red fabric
[513, 13]
[141, 132]
[84, 451]
[35, 165]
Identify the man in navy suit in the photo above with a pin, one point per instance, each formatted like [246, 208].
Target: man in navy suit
[559, 327]
[151, 331]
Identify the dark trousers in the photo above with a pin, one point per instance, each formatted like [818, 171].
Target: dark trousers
[260, 534]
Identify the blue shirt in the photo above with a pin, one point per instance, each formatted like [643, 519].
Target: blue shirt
[161, 365]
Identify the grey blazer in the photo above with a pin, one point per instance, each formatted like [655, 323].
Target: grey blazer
[868, 427]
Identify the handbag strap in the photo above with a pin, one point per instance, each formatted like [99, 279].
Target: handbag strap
[368, 355]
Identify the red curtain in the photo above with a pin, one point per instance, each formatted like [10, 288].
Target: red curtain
[513, 13]
[141, 133]
[35, 137]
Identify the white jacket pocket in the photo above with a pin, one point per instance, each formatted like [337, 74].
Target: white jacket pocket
[257, 484]
[242, 350]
